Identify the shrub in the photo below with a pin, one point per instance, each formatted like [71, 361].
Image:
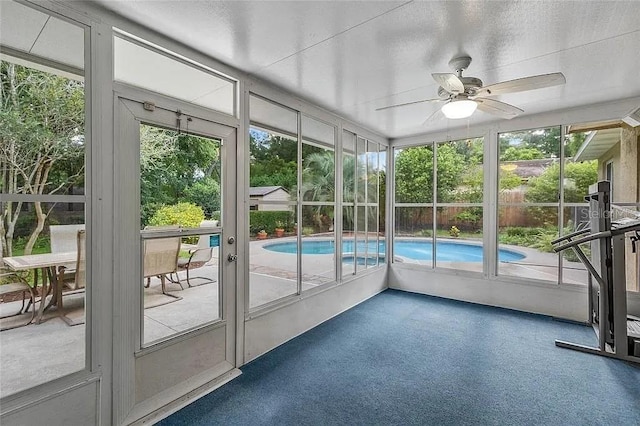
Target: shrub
[454, 232]
[269, 220]
[184, 214]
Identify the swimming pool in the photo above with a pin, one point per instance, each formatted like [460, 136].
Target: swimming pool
[446, 251]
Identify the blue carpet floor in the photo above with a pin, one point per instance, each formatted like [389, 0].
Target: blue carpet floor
[407, 359]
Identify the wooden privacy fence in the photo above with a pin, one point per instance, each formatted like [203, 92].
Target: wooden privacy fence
[415, 219]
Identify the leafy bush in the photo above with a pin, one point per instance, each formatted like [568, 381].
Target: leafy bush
[184, 214]
[528, 237]
[269, 220]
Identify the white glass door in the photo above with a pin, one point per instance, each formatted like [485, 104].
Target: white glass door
[177, 190]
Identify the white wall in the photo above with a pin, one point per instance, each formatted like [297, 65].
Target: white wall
[569, 302]
[271, 329]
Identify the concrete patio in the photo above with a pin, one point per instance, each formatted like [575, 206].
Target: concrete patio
[34, 354]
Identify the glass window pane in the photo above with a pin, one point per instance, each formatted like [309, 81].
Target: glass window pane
[318, 161]
[273, 169]
[382, 197]
[529, 166]
[524, 236]
[348, 241]
[318, 246]
[459, 238]
[180, 185]
[181, 283]
[42, 130]
[460, 174]
[43, 275]
[315, 132]
[273, 263]
[195, 85]
[573, 270]
[372, 237]
[274, 118]
[52, 328]
[414, 175]
[361, 169]
[362, 237]
[178, 168]
[413, 242]
[348, 166]
[373, 171]
[580, 169]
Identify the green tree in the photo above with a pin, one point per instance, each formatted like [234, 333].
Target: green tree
[42, 142]
[574, 142]
[547, 141]
[578, 177]
[414, 175]
[206, 194]
[514, 154]
[318, 177]
[274, 160]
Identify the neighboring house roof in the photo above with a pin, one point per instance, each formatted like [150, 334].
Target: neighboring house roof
[598, 143]
[526, 169]
[261, 191]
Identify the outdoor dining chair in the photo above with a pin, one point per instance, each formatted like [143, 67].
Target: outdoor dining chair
[64, 238]
[161, 257]
[198, 257]
[80, 269]
[13, 283]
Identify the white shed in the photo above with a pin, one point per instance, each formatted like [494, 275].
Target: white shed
[268, 193]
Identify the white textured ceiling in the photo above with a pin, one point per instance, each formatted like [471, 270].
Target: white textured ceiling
[353, 57]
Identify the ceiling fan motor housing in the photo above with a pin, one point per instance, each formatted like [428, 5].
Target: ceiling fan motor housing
[471, 84]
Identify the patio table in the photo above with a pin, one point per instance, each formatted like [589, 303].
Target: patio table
[47, 262]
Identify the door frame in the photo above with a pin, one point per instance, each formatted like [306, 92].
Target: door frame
[132, 363]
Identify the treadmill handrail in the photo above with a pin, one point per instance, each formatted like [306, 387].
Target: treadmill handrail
[591, 237]
[569, 236]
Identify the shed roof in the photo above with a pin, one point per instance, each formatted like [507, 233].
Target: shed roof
[528, 168]
[261, 191]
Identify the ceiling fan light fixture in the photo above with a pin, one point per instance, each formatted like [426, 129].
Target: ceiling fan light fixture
[462, 108]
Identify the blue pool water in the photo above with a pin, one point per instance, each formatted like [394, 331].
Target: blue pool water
[446, 251]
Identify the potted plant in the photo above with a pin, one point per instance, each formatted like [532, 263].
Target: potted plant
[279, 229]
[262, 235]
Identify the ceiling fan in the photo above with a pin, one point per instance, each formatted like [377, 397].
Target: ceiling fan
[464, 94]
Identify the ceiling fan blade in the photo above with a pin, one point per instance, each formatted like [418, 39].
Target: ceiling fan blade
[498, 108]
[449, 82]
[409, 103]
[431, 117]
[522, 84]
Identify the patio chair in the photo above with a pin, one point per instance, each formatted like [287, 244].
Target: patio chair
[13, 282]
[64, 238]
[198, 257]
[80, 268]
[161, 258]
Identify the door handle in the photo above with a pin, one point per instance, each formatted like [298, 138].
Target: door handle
[232, 257]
